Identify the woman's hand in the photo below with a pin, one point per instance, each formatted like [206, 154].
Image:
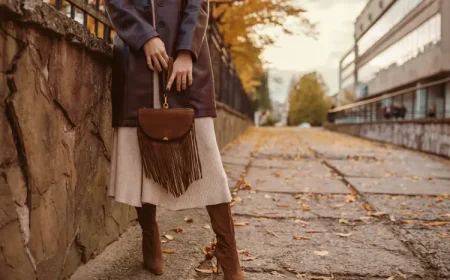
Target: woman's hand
[182, 71]
[156, 55]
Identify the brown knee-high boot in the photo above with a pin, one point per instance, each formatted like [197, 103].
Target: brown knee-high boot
[151, 242]
[226, 252]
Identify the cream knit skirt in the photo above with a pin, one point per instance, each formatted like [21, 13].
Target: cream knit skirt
[130, 185]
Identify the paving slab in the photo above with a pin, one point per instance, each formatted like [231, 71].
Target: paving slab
[305, 206]
[123, 259]
[370, 250]
[310, 167]
[293, 181]
[387, 168]
[437, 241]
[411, 207]
[406, 186]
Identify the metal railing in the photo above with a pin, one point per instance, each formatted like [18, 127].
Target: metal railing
[426, 101]
[228, 86]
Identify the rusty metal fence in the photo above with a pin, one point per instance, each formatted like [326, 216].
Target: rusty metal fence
[228, 86]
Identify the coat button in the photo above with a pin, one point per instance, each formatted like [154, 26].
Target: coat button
[161, 24]
[160, 3]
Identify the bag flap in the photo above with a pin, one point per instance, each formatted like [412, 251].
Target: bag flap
[165, 124]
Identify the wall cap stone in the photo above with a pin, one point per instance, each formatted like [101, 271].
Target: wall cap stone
[34, 13]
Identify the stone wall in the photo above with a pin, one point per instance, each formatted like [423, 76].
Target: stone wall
[429, 135]
[55, 139]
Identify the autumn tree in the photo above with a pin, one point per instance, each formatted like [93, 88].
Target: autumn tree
[242, 22]
[307, 101]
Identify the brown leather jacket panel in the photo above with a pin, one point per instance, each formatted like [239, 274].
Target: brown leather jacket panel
[181, 25]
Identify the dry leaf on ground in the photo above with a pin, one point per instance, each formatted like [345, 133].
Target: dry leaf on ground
[169, 252]
[240, 224]
[266, 196]
[272, 233]
[283, 205]
[444, 235]
[207, 226]
[305, 207]
[320, 253]
[350, 198]
[177, 229]
[313, 231]
[343, 221]
[299, 237]
[168, 236]
[188, 220]
[207, 271]
[343, 234]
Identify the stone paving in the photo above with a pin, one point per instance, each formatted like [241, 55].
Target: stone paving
[310, 204]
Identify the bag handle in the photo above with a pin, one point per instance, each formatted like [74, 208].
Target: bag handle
[165, 76]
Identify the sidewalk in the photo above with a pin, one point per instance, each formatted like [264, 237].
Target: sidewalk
[311, 204]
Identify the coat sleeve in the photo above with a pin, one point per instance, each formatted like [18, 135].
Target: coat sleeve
[131, 27]
[194, 21]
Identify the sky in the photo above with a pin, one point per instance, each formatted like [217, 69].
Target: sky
[298, 53]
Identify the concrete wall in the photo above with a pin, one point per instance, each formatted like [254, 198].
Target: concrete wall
[432, 136]
[55, 141]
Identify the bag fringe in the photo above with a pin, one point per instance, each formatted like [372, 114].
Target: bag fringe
[175, 165]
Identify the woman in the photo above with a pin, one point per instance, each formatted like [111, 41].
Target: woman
[149, 32]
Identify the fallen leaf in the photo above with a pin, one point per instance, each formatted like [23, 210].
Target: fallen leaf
[207, 226]
[188, 220]
[433, 224]
[392, 277]
[206, 271]
[240, 224]
[301, 222]
[276, 174]
[350, 198]
[313, 231]
[299, 237]
[320, 253]
[404, 276]
[169, 252]
[392, 218]
[168, 236]
[283, 205]
[444, 235]
[266, 196]
[409, 222]
[177, 229]
[445, 215]
[305, 207]
[343, 221]
[377, 214]
[272, 233]
[343, 234]
[337, 206]
[237, 199]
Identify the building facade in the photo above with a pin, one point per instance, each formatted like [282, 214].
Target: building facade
[401, 46]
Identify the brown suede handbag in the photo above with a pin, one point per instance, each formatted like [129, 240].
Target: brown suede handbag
[168, 145]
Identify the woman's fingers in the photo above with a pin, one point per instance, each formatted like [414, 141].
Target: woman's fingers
[171, 80]
[179, 76]
[183, 81]
[163, 61]
[149, 62]
[190, 79]
[156, 63]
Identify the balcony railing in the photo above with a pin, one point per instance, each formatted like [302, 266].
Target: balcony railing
[430, 100]
[228, 86]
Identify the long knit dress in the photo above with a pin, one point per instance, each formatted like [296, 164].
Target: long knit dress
[130, 185]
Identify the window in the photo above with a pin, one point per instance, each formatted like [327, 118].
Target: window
[399, 10]
[424, 37]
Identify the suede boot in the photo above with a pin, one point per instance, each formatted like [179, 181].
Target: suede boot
[226, 252]
[151, 241]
